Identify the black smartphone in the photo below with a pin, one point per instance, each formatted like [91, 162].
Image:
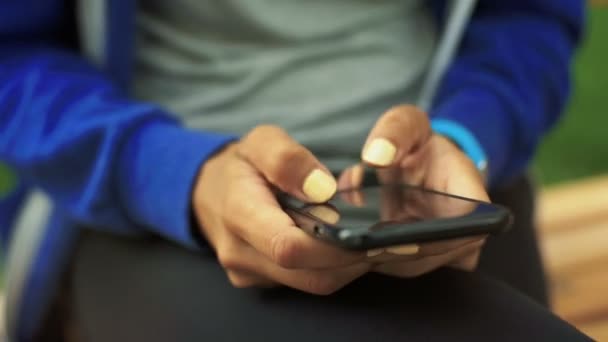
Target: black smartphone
[385, 215]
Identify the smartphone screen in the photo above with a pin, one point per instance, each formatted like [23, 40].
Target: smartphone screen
[400, 213]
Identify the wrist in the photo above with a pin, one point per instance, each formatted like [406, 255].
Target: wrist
[205, 191]
[464, 140]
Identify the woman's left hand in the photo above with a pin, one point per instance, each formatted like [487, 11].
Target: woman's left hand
[403, 149]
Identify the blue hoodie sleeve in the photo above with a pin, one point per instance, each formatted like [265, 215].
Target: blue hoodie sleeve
[510, 79]
[106, 161]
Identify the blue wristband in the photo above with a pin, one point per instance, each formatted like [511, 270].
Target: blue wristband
[464, 139]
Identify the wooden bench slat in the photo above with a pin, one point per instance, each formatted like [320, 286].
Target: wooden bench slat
[582, 297]
[567, 206]
[570, 251]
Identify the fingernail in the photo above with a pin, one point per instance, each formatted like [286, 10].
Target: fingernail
[374, 252]
[379, 152]
[410, 249]
[325, 213]
[356, 176]
[319, 186]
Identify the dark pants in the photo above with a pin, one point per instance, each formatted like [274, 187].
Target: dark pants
[514, 258]
[150, 290]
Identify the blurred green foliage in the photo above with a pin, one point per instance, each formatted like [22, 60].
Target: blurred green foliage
[6, 180]
[578, 147]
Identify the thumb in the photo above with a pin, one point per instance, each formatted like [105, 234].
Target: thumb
[398, 133]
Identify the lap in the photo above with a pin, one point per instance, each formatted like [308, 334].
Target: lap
[514, 258]
[150, 290]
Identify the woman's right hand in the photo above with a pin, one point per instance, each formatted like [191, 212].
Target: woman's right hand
[256, 242]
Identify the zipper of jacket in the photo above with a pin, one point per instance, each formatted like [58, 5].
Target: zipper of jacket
[460, 12]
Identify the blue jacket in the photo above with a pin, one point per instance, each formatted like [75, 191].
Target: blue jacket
[71, 129]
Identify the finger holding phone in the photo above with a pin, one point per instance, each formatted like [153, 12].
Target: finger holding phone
[256, 242]
[404, 149]
[259, 244]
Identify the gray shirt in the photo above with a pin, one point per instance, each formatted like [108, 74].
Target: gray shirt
[323, 70]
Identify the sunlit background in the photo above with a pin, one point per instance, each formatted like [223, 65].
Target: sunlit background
[572, 171]
[572, 166]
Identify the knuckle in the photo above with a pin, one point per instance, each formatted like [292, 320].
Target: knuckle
[288, 154]
[259, 136]
[265, 132]
[229, 257]
[409, 110]
[322, 285]
[407, 115]
[291, 166]
[239, 281]
[395, 112]
[393, 118]
[397, 115]
[234, 210]
[285, 158]
[228, 260]
[284, 251]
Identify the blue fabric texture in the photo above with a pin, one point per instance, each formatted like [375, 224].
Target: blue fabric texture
[119, 165]
[510, 80]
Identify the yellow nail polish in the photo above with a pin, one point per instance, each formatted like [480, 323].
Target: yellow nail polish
[319, 186]
[374, 252]
[410, 249]
[379, 152]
